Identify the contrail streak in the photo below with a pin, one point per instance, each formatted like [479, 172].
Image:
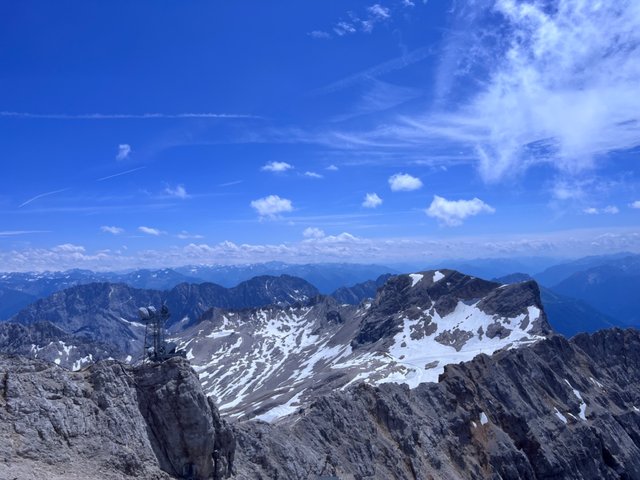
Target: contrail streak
[42, 195]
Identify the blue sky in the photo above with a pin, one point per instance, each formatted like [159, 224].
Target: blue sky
[168, 133]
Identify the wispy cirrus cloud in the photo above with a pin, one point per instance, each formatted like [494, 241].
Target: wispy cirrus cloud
[378, 70]
[150, 231]
[554, 86]
[14, 233]
[112, 229]
[313, 175]
[609, 209]
[123, 116]
[362, 22]
[184, 235]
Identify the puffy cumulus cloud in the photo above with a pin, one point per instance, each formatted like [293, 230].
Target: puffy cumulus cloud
[124, 150]
[150, 231]
[344, 247]
[371, 200]
[453, 212]
[112, 230]
[276, 167]
[271, 206]
[635, 204]
[609, 209]
[332, 168]
[313, 232]
[403, 182]
[178, 192]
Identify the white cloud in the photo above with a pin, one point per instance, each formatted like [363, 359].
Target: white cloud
[123, 151]
[339, 248]
[635, 204]
[69, 248]
[276, 167]
[184, 235]
[332, 168]
[124, 116]
[178, 192]
[313, 232]
[609, 209]
[371, 200]
[343, 28]
[320, 34]
[112, 230]
[13, 233]
[312, 175]
[271, 206]
[556, 86]
[379, 11]
[403, 182]
[150, 231]
[453, 212]
[564, 90]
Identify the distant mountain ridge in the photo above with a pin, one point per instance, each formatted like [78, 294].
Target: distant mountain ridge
[106, 313]
[17, 289]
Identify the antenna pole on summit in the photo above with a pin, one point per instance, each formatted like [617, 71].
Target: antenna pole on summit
[155, 346]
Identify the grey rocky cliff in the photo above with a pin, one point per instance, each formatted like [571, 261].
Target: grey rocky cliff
[556, 409]
[109, 421]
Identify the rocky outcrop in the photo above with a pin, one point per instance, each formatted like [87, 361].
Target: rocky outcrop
[556, 409]
[109, 421]
[45, 341]
[442, 291]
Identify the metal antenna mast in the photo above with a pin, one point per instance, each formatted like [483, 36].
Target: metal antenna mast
[156, 348]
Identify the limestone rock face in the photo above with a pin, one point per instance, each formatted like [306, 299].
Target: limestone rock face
[555, 409]
[109, 421]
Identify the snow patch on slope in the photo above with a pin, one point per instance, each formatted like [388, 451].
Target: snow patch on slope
[415, 278]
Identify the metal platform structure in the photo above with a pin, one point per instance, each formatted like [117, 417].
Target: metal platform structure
[156, 348]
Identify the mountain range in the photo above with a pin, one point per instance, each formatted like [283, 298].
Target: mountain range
[552, 409]
[279, 343]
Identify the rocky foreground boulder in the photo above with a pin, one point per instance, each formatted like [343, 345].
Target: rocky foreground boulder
[109, 421]
[556, 409]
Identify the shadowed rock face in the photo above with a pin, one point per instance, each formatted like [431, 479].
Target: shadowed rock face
[109, 421]
[555, 409]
